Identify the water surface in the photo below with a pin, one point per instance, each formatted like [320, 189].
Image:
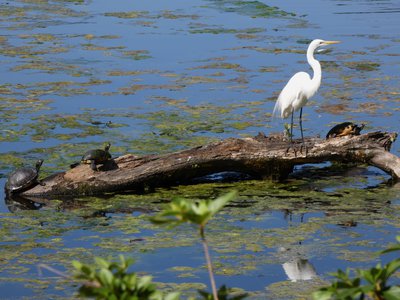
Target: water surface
[176, 74]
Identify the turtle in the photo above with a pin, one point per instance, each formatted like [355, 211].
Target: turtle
[95, 157]
[343, 129]
[23, 178]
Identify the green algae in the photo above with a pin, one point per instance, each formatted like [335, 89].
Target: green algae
[168, 14]
[254, 9]
[301, 289]
[219, 30]
[137, 54]
[184, 271]
[164, 14]
[222, 65]
[127, 15]
[239, 250]
[366, 66]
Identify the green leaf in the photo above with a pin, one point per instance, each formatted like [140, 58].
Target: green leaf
[102, 263]
[393, 293]
[77, 265]
[131, 279]
[112, 297]
[144, 281]
[392, 267]
[322, 295]
[172, 296]
[106, 277]
[182, 210]
[393, 248]
[157, 295]
[221, 201]
[349, 293]
[368, 275]
[86, 270]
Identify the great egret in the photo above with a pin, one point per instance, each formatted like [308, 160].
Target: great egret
[301, 87]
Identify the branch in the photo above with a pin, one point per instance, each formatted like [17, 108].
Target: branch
[260, 157]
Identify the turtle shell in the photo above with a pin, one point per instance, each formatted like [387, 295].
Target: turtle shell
[345, 128]
[97, 155]
[23, 178]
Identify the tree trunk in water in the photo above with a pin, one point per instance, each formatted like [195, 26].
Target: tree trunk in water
[260, 157]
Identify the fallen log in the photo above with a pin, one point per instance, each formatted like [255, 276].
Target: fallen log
[260, 157]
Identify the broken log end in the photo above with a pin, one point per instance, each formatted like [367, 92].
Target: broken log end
[386, 161]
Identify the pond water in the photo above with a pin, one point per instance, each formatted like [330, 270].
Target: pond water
[175, 74]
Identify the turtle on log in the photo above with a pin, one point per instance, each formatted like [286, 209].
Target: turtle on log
[23, 178]
[95, 157]
[343, 129]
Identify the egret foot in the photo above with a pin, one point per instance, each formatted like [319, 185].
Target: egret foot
[305, 148]
[293, 147]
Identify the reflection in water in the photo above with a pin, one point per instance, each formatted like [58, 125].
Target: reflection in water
[17, 203]
[299, 269]
[288, 215]
[296, 267]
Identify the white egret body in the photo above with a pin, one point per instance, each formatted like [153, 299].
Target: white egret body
[301, 87]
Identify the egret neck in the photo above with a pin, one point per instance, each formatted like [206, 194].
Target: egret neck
[316, 66]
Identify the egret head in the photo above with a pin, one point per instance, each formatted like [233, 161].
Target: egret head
[319, 43]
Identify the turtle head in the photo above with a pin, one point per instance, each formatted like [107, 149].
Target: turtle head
[358, 129]
[39, 164]
[107, 147]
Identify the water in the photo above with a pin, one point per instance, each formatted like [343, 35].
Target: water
[171, 75]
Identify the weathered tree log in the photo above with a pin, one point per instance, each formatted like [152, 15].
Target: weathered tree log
[260, 157]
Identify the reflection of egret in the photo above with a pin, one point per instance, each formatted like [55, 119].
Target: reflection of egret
[299, 269]
[301, 87]
[295, 265]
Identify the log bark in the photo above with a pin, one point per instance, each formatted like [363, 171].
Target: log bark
[260, 157]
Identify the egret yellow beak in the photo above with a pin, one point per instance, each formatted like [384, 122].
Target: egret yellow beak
[331, 42]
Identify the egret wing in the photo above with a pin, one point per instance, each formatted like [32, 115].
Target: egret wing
[293, 91]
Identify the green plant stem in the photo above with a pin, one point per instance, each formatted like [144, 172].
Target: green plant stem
[209, 265]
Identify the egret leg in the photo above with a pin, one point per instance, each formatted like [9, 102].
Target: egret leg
[301, 125]
[291, 128]
[291, 135]
[301, 130]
